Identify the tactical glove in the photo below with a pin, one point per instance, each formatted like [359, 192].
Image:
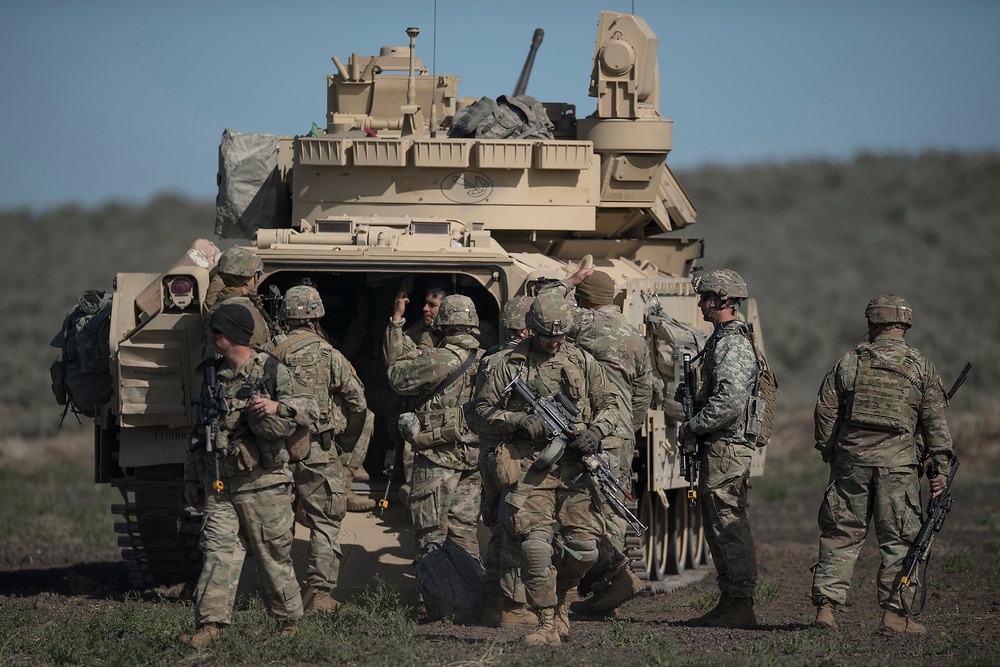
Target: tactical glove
[532, 425]
[589, 442]
[686, 438]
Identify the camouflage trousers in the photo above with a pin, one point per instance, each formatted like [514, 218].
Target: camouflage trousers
[260, 520]
[854, 497]
[444, 504]
[612, 555]
[533, 508]
[725, 471]
[502, 559]
[322, 501]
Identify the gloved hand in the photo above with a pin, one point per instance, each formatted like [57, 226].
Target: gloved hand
[679, 394]
[686, 438]
[532, 425]
[589, 442]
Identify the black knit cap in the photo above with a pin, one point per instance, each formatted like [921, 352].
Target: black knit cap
[234, 322]
[598, 288]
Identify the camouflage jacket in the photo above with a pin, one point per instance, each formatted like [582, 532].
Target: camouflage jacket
[845, 434]
[622, 352]
[572, 370]
[419, 373]
[399, 341]
[728, 374]
[321, 371]
[489, 439]
[263, 436]
[261, 337]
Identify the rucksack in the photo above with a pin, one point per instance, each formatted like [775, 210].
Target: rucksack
[509, 117]
[763, 397]
[81, 375]
[450, 583]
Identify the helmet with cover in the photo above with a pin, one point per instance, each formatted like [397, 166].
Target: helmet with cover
[514, 312]
[725, 282]
[456, 310]
[237, 261]
[303, 302]
[889, 309]
[550, 315]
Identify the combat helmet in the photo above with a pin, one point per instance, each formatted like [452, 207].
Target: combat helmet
[514, 313]
[550, 315]
[456, 310]
[303, 302]
[889, 309]
[237, 261]
[725, 282]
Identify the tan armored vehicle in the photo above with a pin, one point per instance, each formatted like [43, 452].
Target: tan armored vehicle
[410, 186]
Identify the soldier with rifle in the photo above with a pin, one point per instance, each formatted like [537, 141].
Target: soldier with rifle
[880, 424]
[550, 489]
[717, 433]
[238, 275]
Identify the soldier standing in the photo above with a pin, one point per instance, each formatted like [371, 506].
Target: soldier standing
[728, 374]
[879, 419]
[444, 501]
[558, 493]
[322, 372]
[600, 327]
[253, 507]
[505, 603]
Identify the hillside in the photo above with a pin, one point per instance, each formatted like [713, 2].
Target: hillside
[814, 239]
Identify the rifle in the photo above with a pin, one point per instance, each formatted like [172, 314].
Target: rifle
[937, 512]
[390, 468]
[690, 460]
[558, 413]
[211, 406]
[959, 381]
[273, 301]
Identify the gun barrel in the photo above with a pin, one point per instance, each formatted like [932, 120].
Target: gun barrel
[529, 63]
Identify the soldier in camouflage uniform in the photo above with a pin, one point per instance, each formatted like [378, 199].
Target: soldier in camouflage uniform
[505, 602]
[444, 501]
[879, 419]
[238, 275]
[728, 374]
[398, 342]
[558, 493]
[600, 327]
[324, 373]
[253, 507]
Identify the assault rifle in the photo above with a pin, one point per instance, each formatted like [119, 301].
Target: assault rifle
[937, 512]
[558, 413]
[211, 406]
[272, 312]
[690, 460]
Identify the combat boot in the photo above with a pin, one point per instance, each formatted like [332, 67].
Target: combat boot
[724, 602]
[517, 615]
[825, 615]
[894, 621]
[360, 474]
[319, 599]
[623, 587]
[738, 614]
[562, 617]
[546, 634]
[203, 637]
[492, 609]
[356, 503]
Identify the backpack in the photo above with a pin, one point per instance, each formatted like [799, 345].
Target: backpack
[450, 583]
[81, 375]
[763, 397]
[509, 117]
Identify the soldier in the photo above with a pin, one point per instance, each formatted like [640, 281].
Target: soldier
[600, 327]
[321, 371]
[444, 501]
[399, 341]
[253, 508]
[505, 603]
[728, 372]
[879, 419]
[558, 493]
[239, 270]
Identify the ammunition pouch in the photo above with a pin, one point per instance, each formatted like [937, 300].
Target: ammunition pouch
[446, 426]
[298, 444]
[504, 462]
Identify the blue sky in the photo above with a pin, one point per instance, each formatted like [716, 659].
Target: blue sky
[118, 101]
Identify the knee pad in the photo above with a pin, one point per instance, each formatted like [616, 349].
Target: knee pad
[536, 553]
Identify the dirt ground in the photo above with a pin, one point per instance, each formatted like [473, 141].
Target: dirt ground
[962, 610]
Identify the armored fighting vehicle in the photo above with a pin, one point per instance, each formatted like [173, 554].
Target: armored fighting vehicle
[409, 187]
